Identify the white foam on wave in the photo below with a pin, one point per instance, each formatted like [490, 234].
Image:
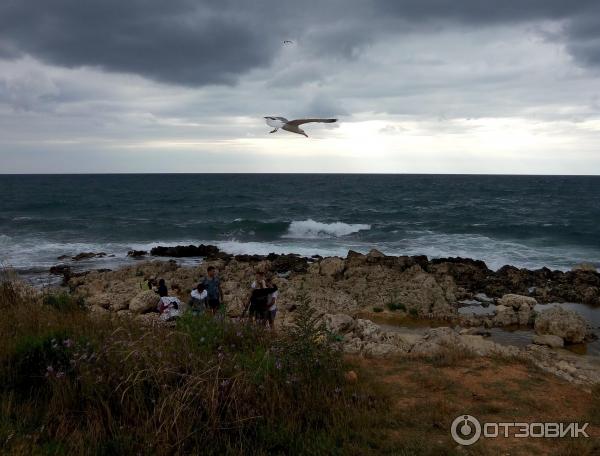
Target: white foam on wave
[264, 248]
[311, 229]
[494, 252]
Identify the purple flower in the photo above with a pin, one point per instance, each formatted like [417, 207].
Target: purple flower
[278, 364]
[68, 343]
[60, 374]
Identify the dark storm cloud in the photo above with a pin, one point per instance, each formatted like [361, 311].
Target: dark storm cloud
[196, 43]
[183, 42]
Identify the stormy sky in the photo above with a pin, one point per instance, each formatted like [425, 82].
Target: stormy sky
[427, 86]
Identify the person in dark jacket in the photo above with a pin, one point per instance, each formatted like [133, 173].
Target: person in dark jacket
[212, 285]
[259, 303]
[162, 289]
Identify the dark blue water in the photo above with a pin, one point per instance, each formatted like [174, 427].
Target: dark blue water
[529, 221]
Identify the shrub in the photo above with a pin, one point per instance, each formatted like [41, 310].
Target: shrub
[396, 306]
[377, 309]
[413, 312]
[63, 301]
[209, 385]
[37, 358]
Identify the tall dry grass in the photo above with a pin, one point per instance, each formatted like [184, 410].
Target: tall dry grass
[75, 383]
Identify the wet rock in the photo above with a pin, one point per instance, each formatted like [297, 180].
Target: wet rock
[291, 262]
[63, 257]
[181, 251]
[549, 340]
[563, 323]
[249, 258]
[60, 269]
[467, 273]
[137, 253]
[88, 255]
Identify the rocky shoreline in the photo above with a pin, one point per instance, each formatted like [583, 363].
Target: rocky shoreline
[342, 289]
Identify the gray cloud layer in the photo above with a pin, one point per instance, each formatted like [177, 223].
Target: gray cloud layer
[192, 43]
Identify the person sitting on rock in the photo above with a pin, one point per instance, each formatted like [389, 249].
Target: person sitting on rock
[198, 299]
[162, 288]
[169, 308]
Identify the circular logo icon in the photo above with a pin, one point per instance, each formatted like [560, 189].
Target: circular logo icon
[466, 430]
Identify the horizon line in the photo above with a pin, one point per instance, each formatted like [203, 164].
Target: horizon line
[292, 174]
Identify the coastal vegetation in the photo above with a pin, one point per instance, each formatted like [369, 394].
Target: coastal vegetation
[75, 382]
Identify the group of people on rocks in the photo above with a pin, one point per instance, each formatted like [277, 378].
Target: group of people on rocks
[261, 304]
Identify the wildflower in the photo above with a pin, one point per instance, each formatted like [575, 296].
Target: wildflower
[278, 364]
[60, 374]
[68, 343]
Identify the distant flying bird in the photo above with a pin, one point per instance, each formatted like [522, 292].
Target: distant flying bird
[292, 125]
[288, 42]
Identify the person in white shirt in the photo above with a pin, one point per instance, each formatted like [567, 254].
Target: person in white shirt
[198, 299]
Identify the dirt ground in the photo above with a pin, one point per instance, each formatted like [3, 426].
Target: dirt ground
[427, 395]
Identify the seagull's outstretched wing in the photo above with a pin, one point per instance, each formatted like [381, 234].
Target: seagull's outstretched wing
[303, 121]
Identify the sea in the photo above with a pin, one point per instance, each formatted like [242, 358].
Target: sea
[526, 221]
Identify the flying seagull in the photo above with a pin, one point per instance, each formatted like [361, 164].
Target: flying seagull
[288, 42]
[292, 125]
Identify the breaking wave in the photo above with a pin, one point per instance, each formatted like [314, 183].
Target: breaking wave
[311, 229]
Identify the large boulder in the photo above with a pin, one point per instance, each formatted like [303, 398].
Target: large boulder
[144, 302]
[367, 330]
[339, 323]
[562, 323]
[513, 309]
[331, 266]
[517, 302]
